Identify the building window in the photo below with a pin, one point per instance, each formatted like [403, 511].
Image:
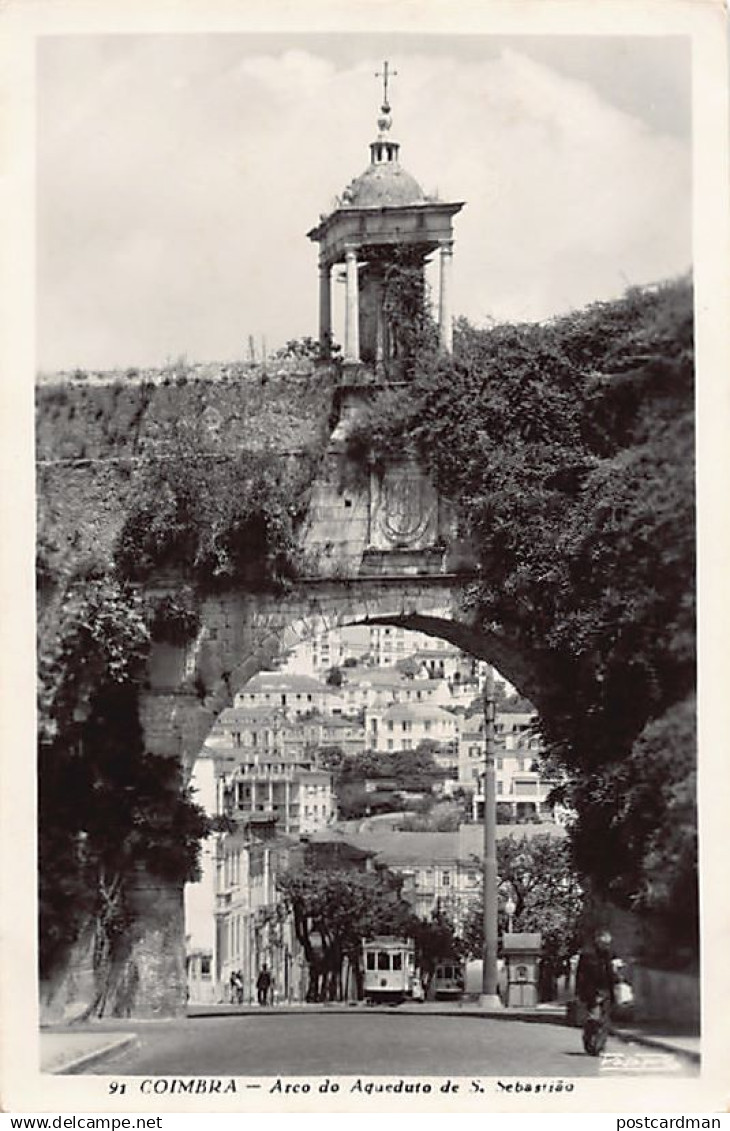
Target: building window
[446, 879]
[205, 966]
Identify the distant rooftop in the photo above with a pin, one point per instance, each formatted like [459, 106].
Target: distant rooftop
[425, 848]
[284, 681]
[415, 711]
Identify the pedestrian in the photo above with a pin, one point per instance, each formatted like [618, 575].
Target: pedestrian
[594, 983]
[263, 984]
[237, 987]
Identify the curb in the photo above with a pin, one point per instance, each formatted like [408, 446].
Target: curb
[95, 1055]
[534, 1017]
[629, 1037]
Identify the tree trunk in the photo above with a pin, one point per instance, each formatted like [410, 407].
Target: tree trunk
[140, 974]
[145, 976]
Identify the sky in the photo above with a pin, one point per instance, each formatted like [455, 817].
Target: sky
[178, 175]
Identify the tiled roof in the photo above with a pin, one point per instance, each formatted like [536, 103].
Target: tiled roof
[376, 677]
[427, 848]
[247, 715]
[415, 711]
[283, 682]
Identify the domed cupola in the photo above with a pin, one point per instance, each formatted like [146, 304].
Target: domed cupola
[379, 216]
[384, 183]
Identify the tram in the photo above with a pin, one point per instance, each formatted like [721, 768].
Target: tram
[448, 980]
[389, 969]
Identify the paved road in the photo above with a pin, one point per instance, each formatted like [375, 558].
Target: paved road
[353, 1043]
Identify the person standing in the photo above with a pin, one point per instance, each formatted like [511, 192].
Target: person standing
[263, 985]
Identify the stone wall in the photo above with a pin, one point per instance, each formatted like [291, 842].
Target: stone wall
[121, 419]
[376, 548]
[666, 996]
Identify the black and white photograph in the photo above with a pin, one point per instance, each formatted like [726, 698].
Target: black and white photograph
[365, 438]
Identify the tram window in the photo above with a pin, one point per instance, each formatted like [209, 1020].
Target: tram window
[370, 960]
[447, 972]
[397, 961]
[383, 960]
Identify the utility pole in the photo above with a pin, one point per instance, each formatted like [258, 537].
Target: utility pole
[489, 995]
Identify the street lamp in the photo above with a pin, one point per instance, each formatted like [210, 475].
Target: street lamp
[509, 908]
[489, 995]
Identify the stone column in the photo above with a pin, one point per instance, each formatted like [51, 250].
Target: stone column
[379, 324]
[325, 309]
[352, 312]
[445, 327]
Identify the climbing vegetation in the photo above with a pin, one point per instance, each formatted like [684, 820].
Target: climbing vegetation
[568, 449]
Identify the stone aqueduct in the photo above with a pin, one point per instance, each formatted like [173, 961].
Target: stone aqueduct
[386, 553]
[380, 548]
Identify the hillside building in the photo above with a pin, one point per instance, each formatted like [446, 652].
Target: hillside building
[522, 791]
[405, 725]
[295, 695]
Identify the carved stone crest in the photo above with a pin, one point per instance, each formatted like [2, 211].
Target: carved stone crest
[404, 509]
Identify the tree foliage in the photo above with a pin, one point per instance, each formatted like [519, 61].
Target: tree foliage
[107, 809]
[537, 873]
[568, 449]
[334, 911]
[218, 521]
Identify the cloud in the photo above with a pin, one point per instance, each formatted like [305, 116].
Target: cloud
[178, 177]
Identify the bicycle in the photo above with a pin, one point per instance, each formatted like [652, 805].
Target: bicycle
[595, 1029]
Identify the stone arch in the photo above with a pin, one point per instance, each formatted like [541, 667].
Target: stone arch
[243, 633]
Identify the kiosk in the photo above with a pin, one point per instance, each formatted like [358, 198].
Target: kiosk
[521, 958]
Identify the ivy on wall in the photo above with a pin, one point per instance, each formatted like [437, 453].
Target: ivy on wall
[107, 808]
[568, 450]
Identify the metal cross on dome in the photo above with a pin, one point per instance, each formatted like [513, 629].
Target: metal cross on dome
[385, 74]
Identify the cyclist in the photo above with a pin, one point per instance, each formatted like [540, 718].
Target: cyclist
[595, 981]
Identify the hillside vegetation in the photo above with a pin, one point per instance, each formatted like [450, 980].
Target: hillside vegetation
[569, 450]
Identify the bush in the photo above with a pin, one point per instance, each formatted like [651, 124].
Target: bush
[175, 619]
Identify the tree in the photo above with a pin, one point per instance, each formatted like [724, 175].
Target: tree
[330, 757]
[334, 911]
[416, 764]
[107, 808]
[408, 667]
[436, 941]
[334, 677]
[537, 873]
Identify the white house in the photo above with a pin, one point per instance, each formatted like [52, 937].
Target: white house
[405, 725]
[295, 695]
